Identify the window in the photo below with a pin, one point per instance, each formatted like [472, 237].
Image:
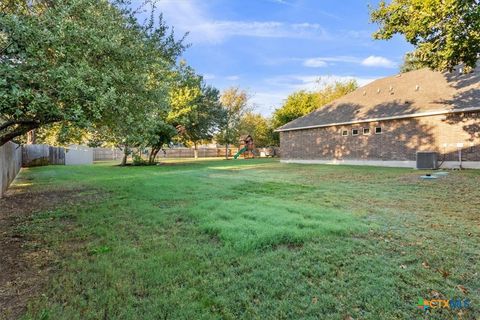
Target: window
[366, 131]
[355, 132]
[378, 130]
[345, 133]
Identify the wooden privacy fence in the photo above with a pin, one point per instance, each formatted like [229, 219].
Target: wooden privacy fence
[56, 155]
[201, 152]
[108, 154]
[13, 157]
[10, 164]
[105, 154]
[42, 155]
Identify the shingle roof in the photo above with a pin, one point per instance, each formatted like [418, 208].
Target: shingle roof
[412, 93]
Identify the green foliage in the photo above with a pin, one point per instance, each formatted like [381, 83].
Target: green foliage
[411, 63]
[25, 6]
[62, 134]
[297, 105]
[138, 160]
[195, 106]
[446, 33]
[158, 135]
[84, 62]
[253, 240]
[259, 127]
[235, 105]
[303, 102]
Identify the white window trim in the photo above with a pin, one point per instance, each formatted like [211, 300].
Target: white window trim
[344, 131]
[369, 131]
[355, 134]
[381, 130]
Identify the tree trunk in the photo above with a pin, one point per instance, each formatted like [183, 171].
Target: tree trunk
[150, 157]
[226, 138]
[153, 155]
[23, 129]
[195, 150]
[31, 137]
[125, 156]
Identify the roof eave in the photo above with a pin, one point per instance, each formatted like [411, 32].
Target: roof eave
[405, 116]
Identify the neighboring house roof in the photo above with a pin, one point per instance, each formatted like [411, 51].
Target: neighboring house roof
[412, 94]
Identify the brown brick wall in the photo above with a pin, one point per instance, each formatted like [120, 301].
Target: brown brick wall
[399, 140]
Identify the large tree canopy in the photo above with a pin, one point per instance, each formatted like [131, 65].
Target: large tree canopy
[195, 107]
[82, 62]
[411, 63]
[235, 105]
[446, 33]
[258, 127]
[301, 103]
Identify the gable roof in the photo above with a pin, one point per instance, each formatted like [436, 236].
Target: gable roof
[412, 94]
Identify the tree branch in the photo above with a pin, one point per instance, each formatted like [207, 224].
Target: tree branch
[23, 129]
[17, 122]
[5, 49]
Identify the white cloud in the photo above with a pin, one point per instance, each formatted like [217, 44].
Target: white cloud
[266, 101]
[323, 61]
[282, 2]
[209, 76]
[272, 92]
[267, 29]
[312, 82]
[371, 61]
[315, 63]
[189, 16]
[359, 34]
[377, 61]
[233, 78]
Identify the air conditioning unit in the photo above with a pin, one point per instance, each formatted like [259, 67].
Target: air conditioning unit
[426, 160]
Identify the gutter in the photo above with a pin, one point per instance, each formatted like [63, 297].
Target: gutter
[406, 116]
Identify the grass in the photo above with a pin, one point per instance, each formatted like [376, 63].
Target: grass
[256, 239]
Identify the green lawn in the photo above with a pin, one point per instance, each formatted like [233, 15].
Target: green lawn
[255, 239]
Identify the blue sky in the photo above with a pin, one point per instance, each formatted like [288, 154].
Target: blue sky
[272, 48]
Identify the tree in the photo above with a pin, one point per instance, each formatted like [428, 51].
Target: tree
[411, 63]
[24, 6]
[195, 107]
[159, 135]
[61, 134]
[235, 104]
[302, 103]
[446, 33]
[296, 105]
[258, 127]
[83, 62]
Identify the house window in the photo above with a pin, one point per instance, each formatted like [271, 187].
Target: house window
[345, 133]
[378, 130]
[354, 132]
[366, 131]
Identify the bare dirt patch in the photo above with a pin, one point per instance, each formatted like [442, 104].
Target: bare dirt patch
[26, 264]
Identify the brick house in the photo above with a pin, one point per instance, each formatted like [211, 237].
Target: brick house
[388, 121]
